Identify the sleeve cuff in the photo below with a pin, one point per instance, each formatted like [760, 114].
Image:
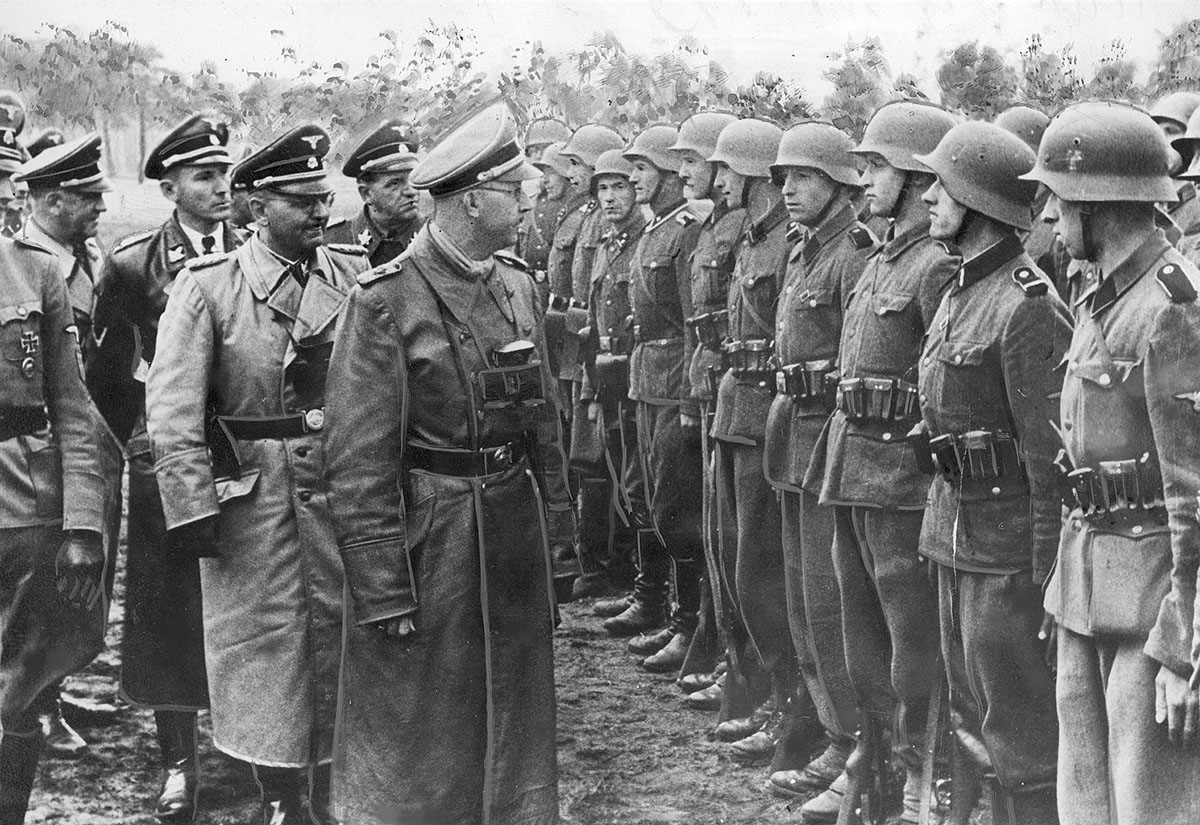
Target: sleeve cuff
[186, 486]
[83, 502]
[381, 581]
[1170, 641]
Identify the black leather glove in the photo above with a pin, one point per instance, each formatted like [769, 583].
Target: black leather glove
[196, 539]
[79, 569]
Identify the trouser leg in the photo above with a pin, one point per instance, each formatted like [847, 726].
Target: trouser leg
[20, 748]
[177, 794]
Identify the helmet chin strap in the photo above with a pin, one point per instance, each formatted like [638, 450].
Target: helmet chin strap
[1085, 232]
[747, 182]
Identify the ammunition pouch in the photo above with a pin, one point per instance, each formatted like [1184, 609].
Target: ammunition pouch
[559, 303]
[712, 328]
[612, 379]
[513, 389]
[878, 400]
[1128, 487]
[752, 360]
[978, 455]
[809, 382]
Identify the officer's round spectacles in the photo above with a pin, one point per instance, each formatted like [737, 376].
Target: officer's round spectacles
[304, 203]
[515, 191]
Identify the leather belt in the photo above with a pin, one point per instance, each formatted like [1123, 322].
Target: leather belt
[810, 381]
[465, 463]
[1128, 486]
[879, 400]
[643, 336]
[977, 455]
[17, 421]
[274, 426]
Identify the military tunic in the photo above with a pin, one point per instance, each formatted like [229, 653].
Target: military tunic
[866, 470]
[240, 333]
[538, 234]
[1125, 585]
[748, 538]
[162, 647]
[822, 271]
[989, 365]
[79, 271]
[455, 723]
[59, 470]
[361, 230]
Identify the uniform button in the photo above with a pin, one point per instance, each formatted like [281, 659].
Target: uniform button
[958, 359]
[21, 311]
[813, 302]
[788, 290]
[1105, 379]
[927, 360]
[1137, 528]
[1076, 523]
[924, 399]
[305, 495]
[887, 436]
[995, 491]
[1066, 425]
[1072, 366]
[608, 303]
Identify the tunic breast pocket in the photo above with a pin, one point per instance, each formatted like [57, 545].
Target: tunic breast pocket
[710, 283]
[21, 344]
[660, 277]
[963, 386]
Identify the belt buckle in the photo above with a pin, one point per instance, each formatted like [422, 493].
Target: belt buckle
[502, 458]
[314, 420]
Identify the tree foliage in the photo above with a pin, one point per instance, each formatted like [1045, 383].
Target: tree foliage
[1178, 61]
[862, 82]
[1048, 79]
[976, 81]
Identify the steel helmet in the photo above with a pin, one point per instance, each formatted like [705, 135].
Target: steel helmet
[591, 140]
[1025, 122]
[12, 111]
[1187, 145]
[979, 165]
[1104, 151]
[612, 162]
[903, 128]
[546, 130]
[653, 144]
[552, 159]
[699, 133]
[1176, 107]
[816, 146]
[748, 147]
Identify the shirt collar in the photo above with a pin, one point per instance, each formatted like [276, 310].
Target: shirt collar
[837, 223]
[975, 269]
[35, 233]
[1109, 287]
[469, 268]
[196, 239]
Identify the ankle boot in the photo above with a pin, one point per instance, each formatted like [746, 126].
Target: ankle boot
[180, 768]
[281, 795]
[18, 766]
[650, 588]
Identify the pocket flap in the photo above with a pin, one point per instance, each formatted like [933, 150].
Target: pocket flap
[891, 303]
[418, 518]
[817, 297]
[231, 488]
[19, 312]
[962, 353]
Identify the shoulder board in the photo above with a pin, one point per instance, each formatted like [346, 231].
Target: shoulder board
[205, 261]
[338, 222]
[1029, 282]
[28, 244]
[347, 248]
[380, 273]
[794, 233]
[133, 239]
[686, 219]
[512, 260]
[861, 237]
[1176, 284]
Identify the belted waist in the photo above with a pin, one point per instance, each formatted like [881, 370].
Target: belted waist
[809, 381]
[879, 400]
[1127, 486]
[256, 428]
[642, 335]
[711, 328]
[448, 461]
[976, 455]
[613, 345]
[16, 421]
[750, 356]
[561, 303]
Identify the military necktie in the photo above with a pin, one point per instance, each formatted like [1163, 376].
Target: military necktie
[83, 260]
[209, 243]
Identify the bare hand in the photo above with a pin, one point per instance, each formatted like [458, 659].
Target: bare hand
[593, 411]
[1177, 704]
[397, 627]
[79, 569]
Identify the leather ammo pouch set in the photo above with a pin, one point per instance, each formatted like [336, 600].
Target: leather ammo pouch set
[612, 369]
[752, 360]
[15, 421]
[513, 385]
[976, 455]
[712, 328]
[810, 382]
[877, 400]
[1131, 486]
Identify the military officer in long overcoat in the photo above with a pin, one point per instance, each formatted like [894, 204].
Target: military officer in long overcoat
[1124, 588]
[234, 408]
[442, 429]
[987, 387]
[162, 650]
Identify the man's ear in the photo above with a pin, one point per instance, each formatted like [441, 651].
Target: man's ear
[167, 187]
[258, 210]
[363, 189]
[470, 202]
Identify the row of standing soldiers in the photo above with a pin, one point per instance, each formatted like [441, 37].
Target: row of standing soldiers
[884, 447]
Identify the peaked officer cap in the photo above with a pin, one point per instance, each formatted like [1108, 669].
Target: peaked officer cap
[388, 148]
[11, 156]
[196, 141]
[481, 150]
[293, 163]
[45, 139]
[74, 165]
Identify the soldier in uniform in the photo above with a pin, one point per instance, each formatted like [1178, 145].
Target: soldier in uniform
[758, 641]
[381, 164]
[711, 268]
[67, 196]
[991, 524]
[662, 478]
[1172, 113]
[60, 477]
[162, 650]
[1185, 146]
[234, 411]
[543, 132]
[1124, 587]
[442, 429]
[11, 157]
[820, 183]
[537, 234]
[865, 470]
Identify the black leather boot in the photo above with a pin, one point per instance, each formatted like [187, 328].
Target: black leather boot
[650, 588]
[180, 765]
[18, 766]
[283, 795]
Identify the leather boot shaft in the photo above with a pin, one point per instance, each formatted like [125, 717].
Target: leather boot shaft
[18, 767]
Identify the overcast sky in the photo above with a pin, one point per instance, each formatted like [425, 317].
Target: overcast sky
[792, 39]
